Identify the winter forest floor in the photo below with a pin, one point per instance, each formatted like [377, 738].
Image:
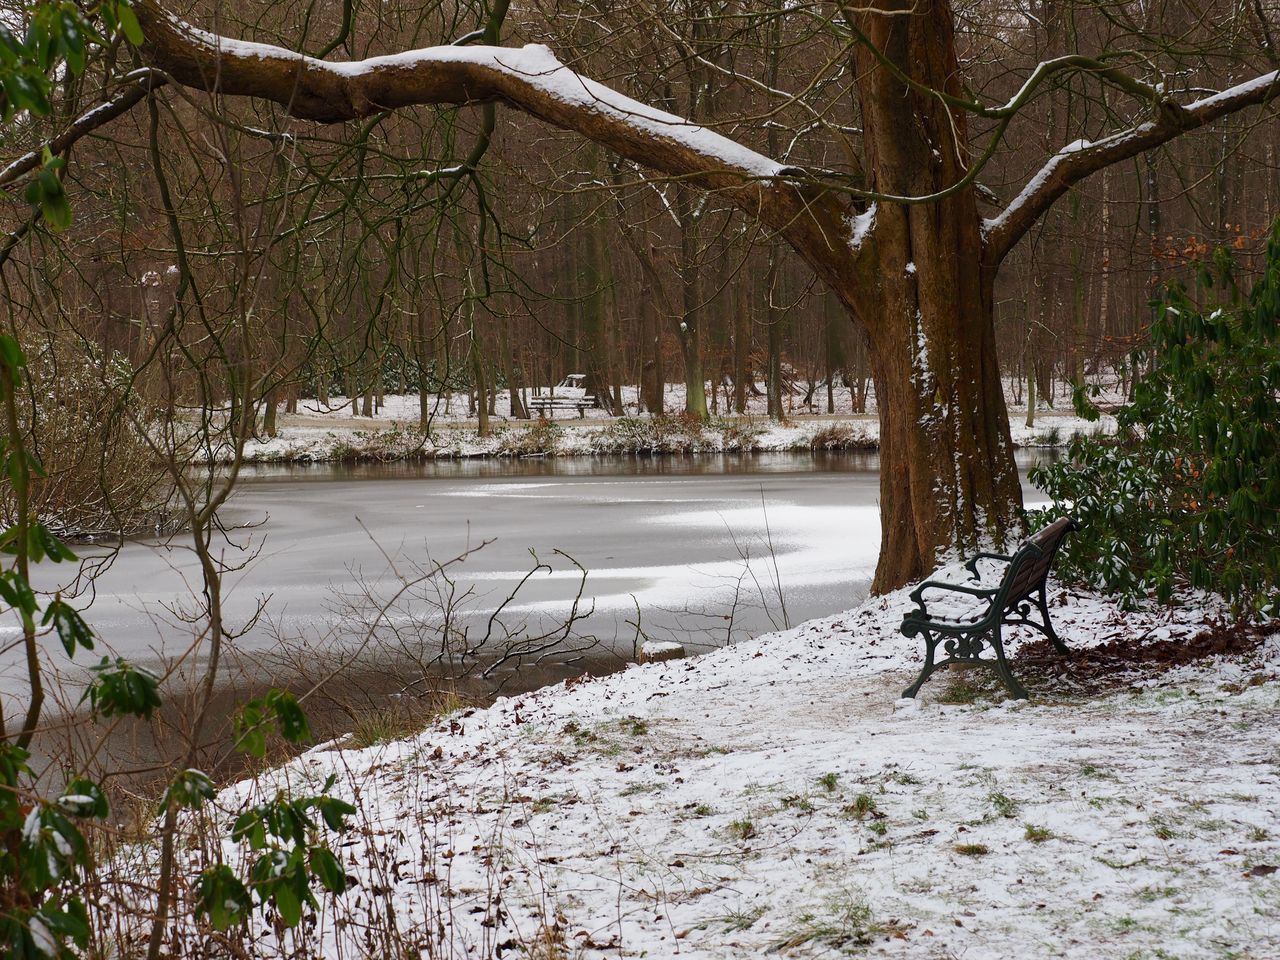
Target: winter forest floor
[331, 431]
[777, 796]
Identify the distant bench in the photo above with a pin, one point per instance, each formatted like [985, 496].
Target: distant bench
[963, 637]
[547, 406]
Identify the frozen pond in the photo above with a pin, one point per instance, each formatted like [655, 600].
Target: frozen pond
[706, 548]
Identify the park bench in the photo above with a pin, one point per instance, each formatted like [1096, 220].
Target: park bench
[569, 394]
[548, 405]
[965, 635]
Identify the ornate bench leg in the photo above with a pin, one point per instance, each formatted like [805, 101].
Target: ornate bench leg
[930, 644]
[1001, 667]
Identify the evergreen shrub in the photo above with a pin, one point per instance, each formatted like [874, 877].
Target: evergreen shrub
[1187, 494]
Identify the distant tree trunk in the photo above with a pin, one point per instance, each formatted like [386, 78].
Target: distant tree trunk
[741, 351]
[614, 357]
[1031, 392]
[1153, 227]
[422, 356]
[269, 403]
[481, 394]
[688, 322]
[593, 344]
[516, 408]
[1079, 322]
[652, 377]
[774, 319]
[833, 350]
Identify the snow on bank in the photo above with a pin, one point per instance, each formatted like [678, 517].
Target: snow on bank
[776, 795]
[308, 440]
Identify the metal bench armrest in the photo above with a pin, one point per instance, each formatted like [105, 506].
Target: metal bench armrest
[972, 563]
[917, 594]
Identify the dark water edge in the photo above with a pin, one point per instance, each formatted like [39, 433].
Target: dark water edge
[584, 465]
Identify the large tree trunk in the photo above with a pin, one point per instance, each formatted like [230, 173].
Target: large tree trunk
[948, 482]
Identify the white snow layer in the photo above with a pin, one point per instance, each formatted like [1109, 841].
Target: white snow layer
[776, 795]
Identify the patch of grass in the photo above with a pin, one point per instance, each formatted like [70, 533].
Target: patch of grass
[540, 439]
[920, 814]
[736, 921]
[972, 849]
[741, 829]
[543, 805]
[738, 434]
[548, 943]
[1037, 834]
[1163, 829]
[863, 806]
[1004, 805]
[402, 719]
[960, 691]
[797, 802]
[638, 788]
[906, 779]
[844, 922]
[384, 726]
[581, 736]
[702, 810]
[1259, 834]
[878, 827]
[376, 727]
[635, 726]
[829, 782]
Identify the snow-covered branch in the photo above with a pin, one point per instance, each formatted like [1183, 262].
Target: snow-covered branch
[529, 79]
[1078, 160]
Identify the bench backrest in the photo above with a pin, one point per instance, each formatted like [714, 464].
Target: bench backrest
[1030, 565]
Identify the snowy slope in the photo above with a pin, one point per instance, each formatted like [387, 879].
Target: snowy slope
[776, 795]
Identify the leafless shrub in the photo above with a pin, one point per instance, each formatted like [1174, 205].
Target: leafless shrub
[661, 433]
[740, 434]
[99, 476]
[538, 439]
[841, 436]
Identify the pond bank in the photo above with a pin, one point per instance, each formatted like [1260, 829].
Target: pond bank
[313, 438]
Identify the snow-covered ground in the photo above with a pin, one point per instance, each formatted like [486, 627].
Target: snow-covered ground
[778, 796]
[331, 432]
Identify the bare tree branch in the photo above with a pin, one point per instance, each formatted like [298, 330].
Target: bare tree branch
[530, 79]
[135, 88]
[1078, 160]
